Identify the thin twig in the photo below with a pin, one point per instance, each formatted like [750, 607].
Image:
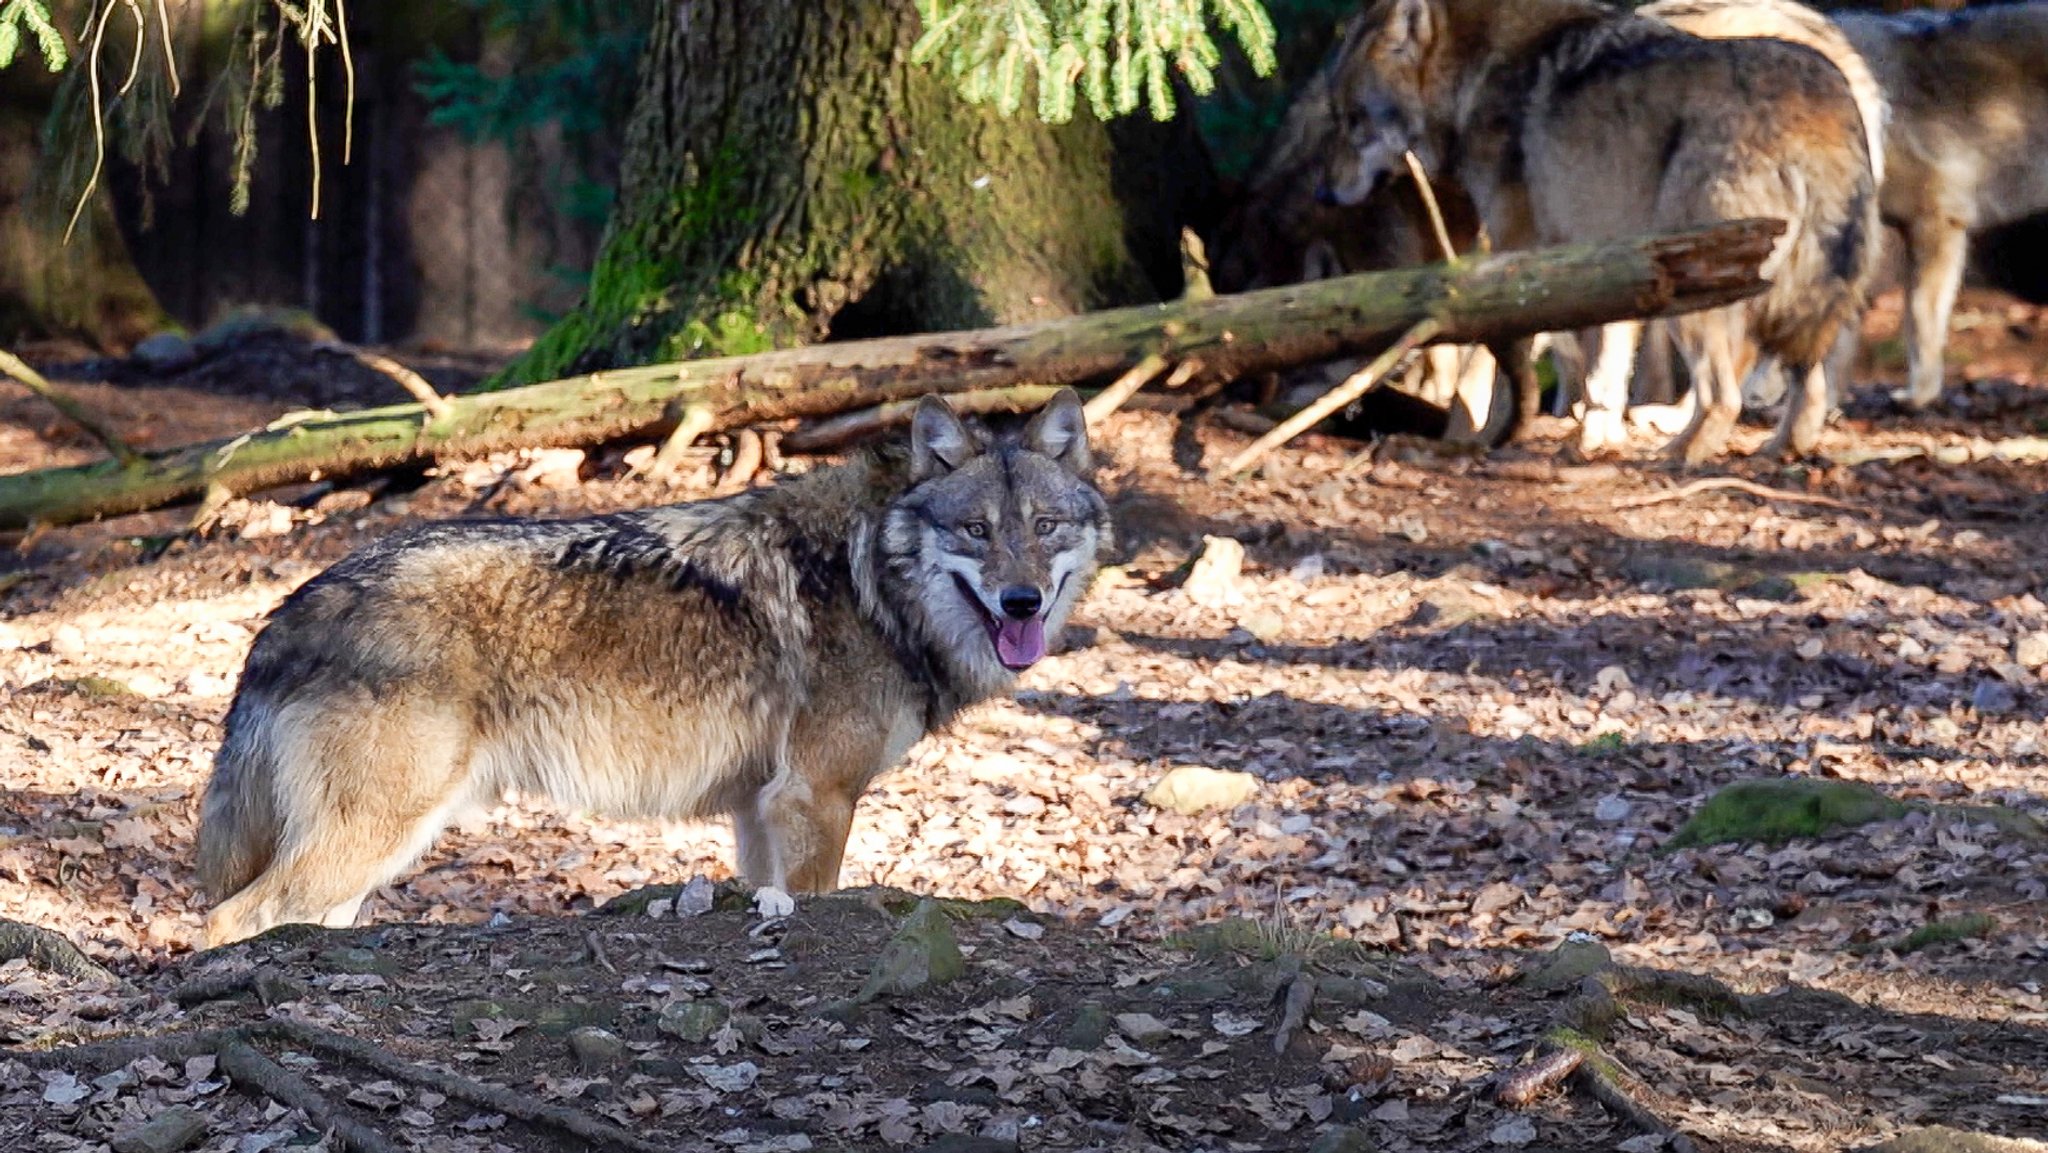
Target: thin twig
[1429, 202]
[1360, 383]
[163, 20]
[597, 952]
[1301, 993]
[1712, 483]
[746, 461]
[695, 422]
[78, 414]
[348, 68]
[413, 383]
[99, 118]
[1123, 388]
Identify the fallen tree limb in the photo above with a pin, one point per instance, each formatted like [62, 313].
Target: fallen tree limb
[12, 366]
[2018, 449]
[1479, 301]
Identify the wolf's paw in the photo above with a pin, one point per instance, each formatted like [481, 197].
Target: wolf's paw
[772, 902]
[1602, 431]
[1916, 400]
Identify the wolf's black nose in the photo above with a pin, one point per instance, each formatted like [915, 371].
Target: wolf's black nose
[1325, 196]
[1021, 602]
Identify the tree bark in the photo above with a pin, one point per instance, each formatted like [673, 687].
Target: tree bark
[1494, 299]
[88, 289]
[791, 176]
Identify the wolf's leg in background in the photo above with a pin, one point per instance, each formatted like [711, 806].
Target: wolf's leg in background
[361, 788]
[1806, 414]
[1712, 341]
[1604, 425]
[1936, 251]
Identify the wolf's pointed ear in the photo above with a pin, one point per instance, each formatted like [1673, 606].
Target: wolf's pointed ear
[1060, 431]
[1411, 26]
[939, 442]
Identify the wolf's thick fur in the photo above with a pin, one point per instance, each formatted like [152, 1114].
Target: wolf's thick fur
[1568, 120]
[1655, 377]
[1967, 148]
[765, 655]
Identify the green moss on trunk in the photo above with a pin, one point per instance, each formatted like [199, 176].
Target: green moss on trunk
[791, 176]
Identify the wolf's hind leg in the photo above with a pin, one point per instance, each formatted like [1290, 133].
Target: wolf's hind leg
[361, 794]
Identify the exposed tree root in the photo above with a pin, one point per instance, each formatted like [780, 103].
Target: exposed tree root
[252, 1071]
[267, 985]
[1574, 1052]
[50, 952]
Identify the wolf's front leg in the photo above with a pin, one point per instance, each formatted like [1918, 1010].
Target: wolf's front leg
[793, 836]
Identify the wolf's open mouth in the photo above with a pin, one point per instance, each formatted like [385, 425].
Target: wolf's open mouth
[1018, 644]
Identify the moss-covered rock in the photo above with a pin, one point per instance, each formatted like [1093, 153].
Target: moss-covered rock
[1773, 811]
[1566, 966]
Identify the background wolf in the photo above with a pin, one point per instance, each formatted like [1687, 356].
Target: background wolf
[1656, 378]
[1567, 120]
[766, 656]
[1968, 147]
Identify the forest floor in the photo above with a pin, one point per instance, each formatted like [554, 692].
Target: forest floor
[1476, 697]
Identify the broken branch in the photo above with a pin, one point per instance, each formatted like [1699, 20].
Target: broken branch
[73, 411]
[1360, 383]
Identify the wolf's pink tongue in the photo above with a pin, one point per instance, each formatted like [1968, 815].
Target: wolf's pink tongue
[1020, 644]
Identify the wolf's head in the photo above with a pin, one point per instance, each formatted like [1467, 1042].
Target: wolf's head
[999, 533]
[1378, 98]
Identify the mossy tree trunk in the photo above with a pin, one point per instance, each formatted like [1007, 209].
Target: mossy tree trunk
[88, 289]
[791, 177]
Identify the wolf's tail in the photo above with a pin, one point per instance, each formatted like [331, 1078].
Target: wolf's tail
[239, 823]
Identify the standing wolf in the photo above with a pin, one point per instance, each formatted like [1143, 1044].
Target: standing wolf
[1968, 148]
[766, 656]
[1568, 120]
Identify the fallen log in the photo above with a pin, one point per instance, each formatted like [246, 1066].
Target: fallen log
[1487, 300]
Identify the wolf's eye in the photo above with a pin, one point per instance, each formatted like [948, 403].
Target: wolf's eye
[976, 529]
[1046, 526]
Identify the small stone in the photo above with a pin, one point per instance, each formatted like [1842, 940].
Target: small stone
[969, 1143]
[1993, 697]
[165, 352]
[1090, 1028]
[1265, 625]
[596, 1048]
[923, 952]
[693, 1021]
[1514, 1132]
[170, 1131]
[1568, 964]
[1343, 1139]
[67, 641]
[1942, 1139]
[2031, 651]
[1142, 1028]
[1214, 577]
[1192, 789]
[1611, 809]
